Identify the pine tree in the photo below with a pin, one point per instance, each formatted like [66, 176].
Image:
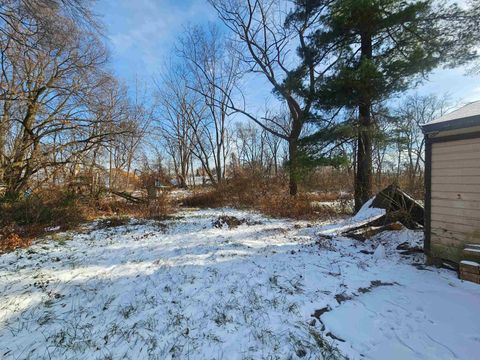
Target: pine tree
[382, 48]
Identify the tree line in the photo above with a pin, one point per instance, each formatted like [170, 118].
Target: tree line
[61, 109]
[333, 71]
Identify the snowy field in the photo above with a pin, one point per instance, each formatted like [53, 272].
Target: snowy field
[267, 289]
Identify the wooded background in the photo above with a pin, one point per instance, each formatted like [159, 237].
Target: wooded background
[339, 71]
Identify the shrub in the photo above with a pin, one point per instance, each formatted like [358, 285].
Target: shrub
[49, 208]
[205, 198]
[268, 195]
[156, 209]
[10, 239]
[31, 217]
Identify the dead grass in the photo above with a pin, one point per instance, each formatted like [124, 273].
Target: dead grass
[29, 218]
[268, 195]
[324, 196]
[155, 209]
[203, 198]
[231, 222]
[328, 180]
[113, 222]
[333, 180]
[298, 207]
[25, 219]
[11, 240]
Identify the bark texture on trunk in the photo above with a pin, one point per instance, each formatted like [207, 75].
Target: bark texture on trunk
[363, 176]
[293, 169]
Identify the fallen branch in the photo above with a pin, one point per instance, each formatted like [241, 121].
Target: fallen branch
[129, 197]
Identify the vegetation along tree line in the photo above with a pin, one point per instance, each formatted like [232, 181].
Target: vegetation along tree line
[335, 74]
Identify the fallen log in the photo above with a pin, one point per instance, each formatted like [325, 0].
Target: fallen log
[399, 207]
[400, 210]
[129, 197]
[365, 231]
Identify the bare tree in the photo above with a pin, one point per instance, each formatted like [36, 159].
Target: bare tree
[250, 146]
[43, 18]
[256, 148]
[412, 112]
[50, 88]
[215, 74]
[265, 46]
[275, 147]
[181, 112]
[134, 117]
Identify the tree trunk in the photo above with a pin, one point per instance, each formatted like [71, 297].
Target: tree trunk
[193, 172]
[129, 165]
[18, 172]
[110, 169]
[182, 182]
[183, 172]
[275, 163]
[218, 164]
[293, 169]
[363, 178]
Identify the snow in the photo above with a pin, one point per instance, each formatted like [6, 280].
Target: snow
[367, 212]
[475, 246]
[363, 216]
[185, 289]
[379, 252]
[414, 321]
[471, 263]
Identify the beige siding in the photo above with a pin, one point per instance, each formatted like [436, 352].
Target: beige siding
[450, 226]
[438, 173]
[456, 179]
[455, 164]
[454, 156]
[461, 189]
[453, 219]
[455, 204]
[456, 132]
[468, 146]
[455, 195]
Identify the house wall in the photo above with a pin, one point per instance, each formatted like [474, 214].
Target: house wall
[445, 134]
[454, 188]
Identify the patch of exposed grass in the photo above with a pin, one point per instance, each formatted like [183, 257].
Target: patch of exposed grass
[112, 222]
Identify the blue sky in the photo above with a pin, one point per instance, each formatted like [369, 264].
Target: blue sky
[141, 34]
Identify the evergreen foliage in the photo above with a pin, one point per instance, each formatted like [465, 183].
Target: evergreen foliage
[374, 49]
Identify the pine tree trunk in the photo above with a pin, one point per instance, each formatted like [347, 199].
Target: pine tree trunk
[363, 178]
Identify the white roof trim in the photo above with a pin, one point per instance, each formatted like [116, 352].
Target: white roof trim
[464, 117]
[470, 109]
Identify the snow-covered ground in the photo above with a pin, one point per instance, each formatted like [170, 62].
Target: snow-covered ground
[187, 289]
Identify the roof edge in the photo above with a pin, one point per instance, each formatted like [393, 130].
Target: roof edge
[454, 124]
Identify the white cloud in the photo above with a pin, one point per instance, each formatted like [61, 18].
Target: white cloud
[143, 32]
